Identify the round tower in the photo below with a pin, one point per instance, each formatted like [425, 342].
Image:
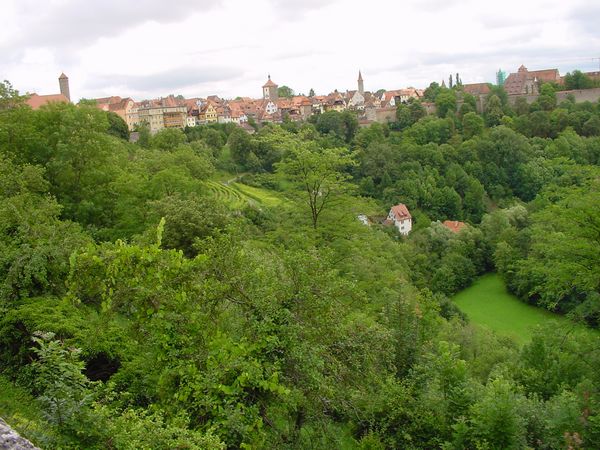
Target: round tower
[63, 82]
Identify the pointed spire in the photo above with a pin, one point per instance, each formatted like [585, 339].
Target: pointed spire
[361, 87]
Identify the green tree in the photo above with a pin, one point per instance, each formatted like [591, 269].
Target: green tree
[432, 92]
[496, 420]
[9, 96]
[117, 126]
[240, 145]
[404, 117]
[521, 106]
[472, 125]
[560, 269]
[592, 126]
[188, 219]
[417, 110]
[547, 98]
[469, 104]
[319, 173]
[311, 93]
[168, 139]
[343, 125]
[285, 91]
[35, 244]
[493, 111]
[445, 102]
[145, 136]
[577, 80]
[65, 390]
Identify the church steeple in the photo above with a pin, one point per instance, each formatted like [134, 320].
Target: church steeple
[361, 86]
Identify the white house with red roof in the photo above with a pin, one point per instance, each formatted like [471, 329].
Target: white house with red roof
[401, 218]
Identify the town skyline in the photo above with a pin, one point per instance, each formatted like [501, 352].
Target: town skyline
[228, 47]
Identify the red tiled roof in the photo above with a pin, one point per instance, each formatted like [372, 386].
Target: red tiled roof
[270, 83]
[108, 100]
[400, 212]
[37, 101]
[476, 88]
[454, 225]
[545, 75]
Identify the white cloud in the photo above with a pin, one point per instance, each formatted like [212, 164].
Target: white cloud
[227, 47]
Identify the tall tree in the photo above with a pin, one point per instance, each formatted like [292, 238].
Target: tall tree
[319, 173]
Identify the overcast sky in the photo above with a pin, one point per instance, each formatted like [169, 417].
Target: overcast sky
[152, 48]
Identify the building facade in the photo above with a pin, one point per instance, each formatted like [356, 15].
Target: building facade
[401, 218]
[167, 112]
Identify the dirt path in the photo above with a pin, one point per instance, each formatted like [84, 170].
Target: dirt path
[233, 180]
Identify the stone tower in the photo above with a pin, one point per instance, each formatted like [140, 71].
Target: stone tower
[63, 82]
[361, 86]
[270, 90]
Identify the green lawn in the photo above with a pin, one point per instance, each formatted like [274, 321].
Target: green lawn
[487, 303]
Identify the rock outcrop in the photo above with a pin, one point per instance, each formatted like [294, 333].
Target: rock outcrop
[10, 439]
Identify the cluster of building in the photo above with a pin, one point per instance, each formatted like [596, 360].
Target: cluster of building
[179, 112]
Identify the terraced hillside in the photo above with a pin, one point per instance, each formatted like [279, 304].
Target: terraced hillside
[238, 195]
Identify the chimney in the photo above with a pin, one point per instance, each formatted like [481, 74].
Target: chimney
[63, 82]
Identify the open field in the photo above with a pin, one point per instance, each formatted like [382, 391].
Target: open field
[487, 303]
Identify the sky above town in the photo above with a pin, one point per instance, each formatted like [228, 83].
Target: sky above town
[152, 48]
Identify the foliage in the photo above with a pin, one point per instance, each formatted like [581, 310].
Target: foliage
[9, 96]
[342, 125]
[214, 309]
[319, 173]
[577, 80]
[64, 392]
[285, 91]
[117, 126]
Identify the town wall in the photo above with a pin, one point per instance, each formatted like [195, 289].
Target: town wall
[581, 95]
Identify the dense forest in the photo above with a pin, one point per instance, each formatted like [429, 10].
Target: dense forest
[142, 305]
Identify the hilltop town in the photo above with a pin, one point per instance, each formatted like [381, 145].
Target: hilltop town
[276, 107]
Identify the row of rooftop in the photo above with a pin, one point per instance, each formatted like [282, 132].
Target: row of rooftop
[178, 112]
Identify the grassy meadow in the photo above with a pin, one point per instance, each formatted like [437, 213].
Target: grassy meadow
[487, 303]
